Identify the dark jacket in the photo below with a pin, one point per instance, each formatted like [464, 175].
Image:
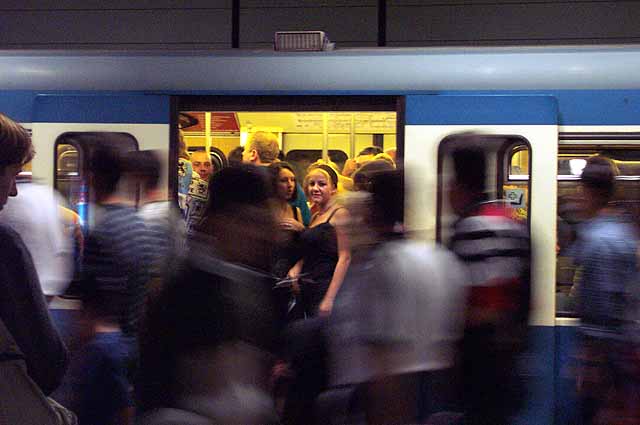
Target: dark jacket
[24, 311]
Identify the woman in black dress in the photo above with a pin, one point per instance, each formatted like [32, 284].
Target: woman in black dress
[324, 247]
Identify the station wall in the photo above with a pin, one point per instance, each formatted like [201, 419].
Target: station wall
[215, 24]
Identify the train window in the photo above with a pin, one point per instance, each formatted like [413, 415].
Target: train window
[571, 161]
[72, 153]
[519, 163]
[503, 185]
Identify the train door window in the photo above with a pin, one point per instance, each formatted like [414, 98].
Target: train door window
[573, 152]
[508, 161]
[73, 151]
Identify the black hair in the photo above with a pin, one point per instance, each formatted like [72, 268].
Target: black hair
[241, 185]
[387, 193]
[274, 169]
[362, 177]
[106, 166]
[470, 166]
[145, 164]
[235, 156]
[371, 150]
[600, 174]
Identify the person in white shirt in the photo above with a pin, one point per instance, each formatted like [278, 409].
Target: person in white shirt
[34, 214]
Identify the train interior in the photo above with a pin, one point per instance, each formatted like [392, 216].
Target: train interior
[304, 137]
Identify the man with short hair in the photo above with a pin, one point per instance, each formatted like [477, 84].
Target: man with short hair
[262, 149]
[201, 162]
[607, 295]
[23, 309]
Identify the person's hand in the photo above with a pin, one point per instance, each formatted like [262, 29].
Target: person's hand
[325, 307]
[295, 285]
[291, 224]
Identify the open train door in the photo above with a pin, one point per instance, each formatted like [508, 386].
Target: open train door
[66, 129]
[520, 137]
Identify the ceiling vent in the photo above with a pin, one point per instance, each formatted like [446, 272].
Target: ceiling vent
[302, 41]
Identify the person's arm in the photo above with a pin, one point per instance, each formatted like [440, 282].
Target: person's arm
[344, 259]
[24, 311]
[294, 272]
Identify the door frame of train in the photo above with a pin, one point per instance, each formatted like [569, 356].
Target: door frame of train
[429, 120]
[145, 117]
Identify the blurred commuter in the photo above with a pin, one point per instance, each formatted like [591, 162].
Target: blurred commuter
[102, 386]
[365, 155]
[398, 316]
[201, 162]
[608, 382]
[205, 351]
[262, 149]
[43, 232]
[362, 177]
[23, 309]
[166, 229]
[117, 250]
[325, 254]
[496, 250]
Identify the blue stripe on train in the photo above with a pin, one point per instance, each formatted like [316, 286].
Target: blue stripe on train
[481, 110]
[575, 107]
[140, 109]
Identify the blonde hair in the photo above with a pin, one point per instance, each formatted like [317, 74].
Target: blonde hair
[322, 170]
[265, 144]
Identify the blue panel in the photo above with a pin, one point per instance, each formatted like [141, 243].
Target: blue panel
[480, 110]
[18, 105]
[124, 109]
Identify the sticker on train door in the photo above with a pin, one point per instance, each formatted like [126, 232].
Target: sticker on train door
[515, 198]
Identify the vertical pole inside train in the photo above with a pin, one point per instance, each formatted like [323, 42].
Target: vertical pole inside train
[325, 136]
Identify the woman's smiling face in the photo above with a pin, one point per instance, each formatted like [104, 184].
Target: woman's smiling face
[319, 187]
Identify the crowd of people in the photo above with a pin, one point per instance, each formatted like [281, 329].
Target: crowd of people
[262, 298]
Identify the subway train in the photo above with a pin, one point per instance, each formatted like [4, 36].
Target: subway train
[541, 111]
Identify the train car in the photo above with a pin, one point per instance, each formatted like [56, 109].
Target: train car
[541, 110]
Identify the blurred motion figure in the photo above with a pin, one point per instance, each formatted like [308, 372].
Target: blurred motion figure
[496, 249]
[606, 251]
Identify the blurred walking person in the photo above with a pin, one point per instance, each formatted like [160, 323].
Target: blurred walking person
[496, 249]
[609, 377]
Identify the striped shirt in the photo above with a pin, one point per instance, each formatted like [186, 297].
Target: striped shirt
[496, 250]
[117, 260]
[167, 231]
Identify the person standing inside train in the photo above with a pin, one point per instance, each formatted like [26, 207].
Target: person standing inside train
[201, 162]
[607, 246]
[262, 149]
[324, 245]
[23, 309]
[496, 249]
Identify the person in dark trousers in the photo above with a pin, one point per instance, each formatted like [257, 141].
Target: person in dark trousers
[496, 249]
